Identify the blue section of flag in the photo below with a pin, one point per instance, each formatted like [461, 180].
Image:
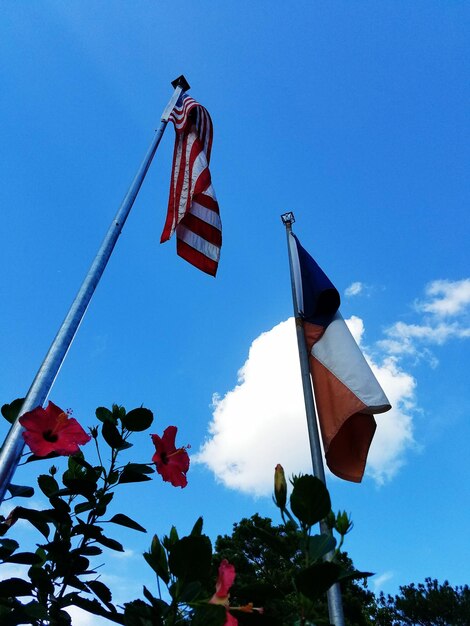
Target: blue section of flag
[321, 299]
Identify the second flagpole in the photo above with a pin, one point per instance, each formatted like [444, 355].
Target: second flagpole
[335, 603]
[40, 388]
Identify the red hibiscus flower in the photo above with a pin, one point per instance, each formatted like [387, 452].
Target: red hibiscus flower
[225, 580]
[172, 463]
[52, 430]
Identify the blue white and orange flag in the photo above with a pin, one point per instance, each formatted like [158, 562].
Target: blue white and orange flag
[347, 394]
[193, 210]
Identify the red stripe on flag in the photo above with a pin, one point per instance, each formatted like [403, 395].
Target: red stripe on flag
[191, 181]
[196, 258]
[203, 229]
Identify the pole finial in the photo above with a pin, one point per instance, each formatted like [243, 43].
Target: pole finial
[288, 218]
[181, 82]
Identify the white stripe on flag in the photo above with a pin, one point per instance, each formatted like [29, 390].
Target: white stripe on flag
[338, 351]
[199, 166]
[206, 215]
[197, 242]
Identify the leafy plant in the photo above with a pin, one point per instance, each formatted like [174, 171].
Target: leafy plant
[76, 527]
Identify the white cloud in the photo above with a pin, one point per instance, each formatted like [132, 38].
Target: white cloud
[82, 618]
[381, 579]
[354, 289]
[261, 422]
[127, 554]
[446, 297]
[394, 435]
[409, 338]
[356, 326]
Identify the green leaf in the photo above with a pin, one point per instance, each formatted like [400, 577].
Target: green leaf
[137, 420]
[80, 486]
[354, 575]
[7, 547]
[61, 508]
[91, 550]
[80, 460]
[131, 474]
[103, 500]
[59, 617]
[35, 610]
[76, 583]
[13, 587]
[77, 564]
[138, 613]
[118, 412]
[93, 606]
[123, 520]
[157, 560]
[319, 545]
[310, 500]
[151, 598]
[11, 411]
[104, 414]
[20, 491]
[197, 528]
[141, 468]
[317, 579]
[41, 580]
[190, 558]
[39, 519]
[190, 592]
[24, 558]
[171, 539]
[83, 507]
[113, 437]
[110, 543]
[48, 485]
[101, 591]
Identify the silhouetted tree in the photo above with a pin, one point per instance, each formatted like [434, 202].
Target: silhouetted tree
[425, 604]
[267, 578]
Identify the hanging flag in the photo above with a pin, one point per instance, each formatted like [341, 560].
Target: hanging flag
[347, 394]
[193, 210]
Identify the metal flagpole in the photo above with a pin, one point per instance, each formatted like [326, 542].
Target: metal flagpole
[13, 445]
[335, 604]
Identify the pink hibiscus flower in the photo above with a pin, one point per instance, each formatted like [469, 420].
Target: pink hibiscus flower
[172, 463]
[225, 579]
[52, 430]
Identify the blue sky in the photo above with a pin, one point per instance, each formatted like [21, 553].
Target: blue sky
[354, 116]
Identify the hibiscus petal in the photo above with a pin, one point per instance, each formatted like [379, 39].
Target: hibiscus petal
[51, 430]
[225, 579]
[168, 439]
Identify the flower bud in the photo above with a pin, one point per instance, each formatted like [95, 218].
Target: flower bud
[343, 523]
[280, 487]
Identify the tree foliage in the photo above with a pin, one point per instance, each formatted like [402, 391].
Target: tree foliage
[268, 576]
[425, 604]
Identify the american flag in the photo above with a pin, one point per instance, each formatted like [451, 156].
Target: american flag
[193, 210]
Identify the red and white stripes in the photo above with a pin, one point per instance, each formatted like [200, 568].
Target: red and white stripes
[193, 210]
